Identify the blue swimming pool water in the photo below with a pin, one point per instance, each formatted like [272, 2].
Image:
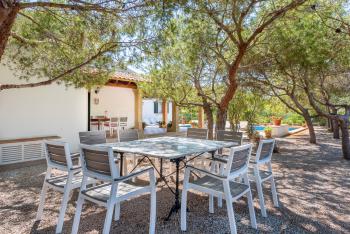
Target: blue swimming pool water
[261, 128]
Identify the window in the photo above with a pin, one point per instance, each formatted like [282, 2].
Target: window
[157, 107]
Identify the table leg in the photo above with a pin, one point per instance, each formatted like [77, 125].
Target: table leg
[176, 207]
[121, 163]
[160, 171]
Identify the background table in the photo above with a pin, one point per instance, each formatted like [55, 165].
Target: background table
[99, 120]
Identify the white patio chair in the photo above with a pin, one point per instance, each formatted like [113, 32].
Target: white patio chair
[112, 125]
[197, 133]
[92, 137]
[128, 135]
[98, 162]
[222, 135]
[222, 184]
[263, 157]
[58, 157]
[123, 122]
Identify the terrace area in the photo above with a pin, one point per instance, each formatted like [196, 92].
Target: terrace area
[312, 183]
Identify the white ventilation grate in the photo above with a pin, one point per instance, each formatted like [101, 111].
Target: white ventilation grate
[32, 151]
[11, 154]
[21, 151]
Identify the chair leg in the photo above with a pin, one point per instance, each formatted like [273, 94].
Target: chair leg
[117, 211]
[221, 171]
[153, 215]
[220, 201]
[230, 212]
[184, 201]
[43, 195]
[64, 203]
[108, 219]
[41, 202]
[211, 204]
[134, 162]
[274, 192]
[77, 215]
[261, 196]
[250, 203]
[125, 166]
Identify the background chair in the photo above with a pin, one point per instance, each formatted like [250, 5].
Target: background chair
[112, 125]
[92, 137]
[128, 135]
[197, 133]
[123, 122]
[58, 157]
[222, 135]
[263, 157]
[222, 184]
[98, 162]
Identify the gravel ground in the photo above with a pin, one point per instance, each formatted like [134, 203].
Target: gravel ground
[313, 184]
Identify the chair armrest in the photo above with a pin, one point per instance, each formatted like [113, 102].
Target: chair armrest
[220, 158]
[76, 168]
[134, 174]
[208, 173]
[75, 155]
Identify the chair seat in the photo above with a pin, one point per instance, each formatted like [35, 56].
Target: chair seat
[217, 185]
[263, 174]
[60, 181]
[125, 190]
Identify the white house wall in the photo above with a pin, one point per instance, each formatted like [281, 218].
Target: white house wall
[118, 102]
[148, 114]
[42, 111]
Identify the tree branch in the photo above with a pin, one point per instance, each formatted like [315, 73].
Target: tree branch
[58, 77]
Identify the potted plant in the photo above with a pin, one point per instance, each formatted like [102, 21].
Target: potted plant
[169, 125]
[277, 120]
[268, 132]
[161, 124]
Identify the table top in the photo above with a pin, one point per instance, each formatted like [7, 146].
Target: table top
[99, 119]
[169, 147]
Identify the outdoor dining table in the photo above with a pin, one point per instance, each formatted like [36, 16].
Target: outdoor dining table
[175, 149]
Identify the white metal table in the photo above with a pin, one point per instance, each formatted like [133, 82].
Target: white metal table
[175, 149]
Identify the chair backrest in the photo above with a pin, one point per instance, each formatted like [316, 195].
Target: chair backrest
[123, 121]
[222, 135]
[128, 135]
[238, 160]
[58, 155]
[98, 162]
[114, 120]
[92, 137]
[197, 133]
[265, 150]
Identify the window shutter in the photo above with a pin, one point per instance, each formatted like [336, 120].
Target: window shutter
[155, 107]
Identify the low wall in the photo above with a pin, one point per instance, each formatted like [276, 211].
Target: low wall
[279, 131]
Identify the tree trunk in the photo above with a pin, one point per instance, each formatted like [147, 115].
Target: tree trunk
[345, 140]
[221, 117]
[8, 14]
[310, 126]
[209, 114]
[329, 125]
[336, 134]
[335, 123]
